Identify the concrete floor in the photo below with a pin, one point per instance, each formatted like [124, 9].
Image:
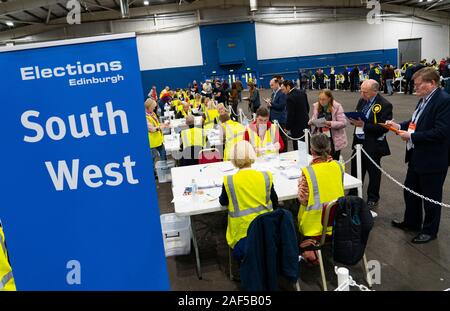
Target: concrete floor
[404, 266]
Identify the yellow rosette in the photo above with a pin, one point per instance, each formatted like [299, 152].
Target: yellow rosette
[376, 109]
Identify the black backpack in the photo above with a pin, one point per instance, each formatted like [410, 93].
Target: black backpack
[352, 224]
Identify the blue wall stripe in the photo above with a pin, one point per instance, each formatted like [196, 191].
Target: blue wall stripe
[264, 69]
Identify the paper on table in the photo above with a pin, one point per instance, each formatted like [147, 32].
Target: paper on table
[227, 166]
[292, 173]
[209, 183]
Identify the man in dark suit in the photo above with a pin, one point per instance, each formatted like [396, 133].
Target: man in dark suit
[427, 154]
[297, 110]
[371, 136]
[277, 105]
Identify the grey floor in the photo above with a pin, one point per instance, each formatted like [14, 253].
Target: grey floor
[404, 266]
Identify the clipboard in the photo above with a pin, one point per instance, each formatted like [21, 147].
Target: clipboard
[390, 128]
[356, 115]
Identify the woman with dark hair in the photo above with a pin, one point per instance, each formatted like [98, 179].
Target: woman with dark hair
[234, 100]
[253, 99]
[334, 122]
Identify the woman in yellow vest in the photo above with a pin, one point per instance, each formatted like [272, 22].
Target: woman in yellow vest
[155, 134]
[192, 141]
[210, 115]
[6, 276]
[197, 102]
[321, 182]
[248, 193]
[232, 133]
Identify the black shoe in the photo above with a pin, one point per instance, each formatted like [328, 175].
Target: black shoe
[402, 225]
[423, 238]
[372, 204]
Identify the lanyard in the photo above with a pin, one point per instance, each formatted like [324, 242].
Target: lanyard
[421, 107]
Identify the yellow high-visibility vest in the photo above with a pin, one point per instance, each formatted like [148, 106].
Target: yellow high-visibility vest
[325, 183]
[270, 138]
[249, 196]
[210, 116]
[6, 276]
[174, 103]
[193, 137]
[234, 133]
[156, 138]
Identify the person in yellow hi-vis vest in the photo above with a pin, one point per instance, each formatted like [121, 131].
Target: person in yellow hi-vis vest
[185, 110]
[232, 133]
[6, 276]
[210, 115]
[155, 135]
[263, 134]
[321, 182]
[248, 193]
[192, 141]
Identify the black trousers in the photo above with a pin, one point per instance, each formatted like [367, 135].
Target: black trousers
[284, 138]
[373, 189]
[296, 134]
[429, 185]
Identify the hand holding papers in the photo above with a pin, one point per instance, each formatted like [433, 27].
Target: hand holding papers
[321, 122]
[355, 116]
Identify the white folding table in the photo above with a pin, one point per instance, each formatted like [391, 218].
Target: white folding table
[212, 174]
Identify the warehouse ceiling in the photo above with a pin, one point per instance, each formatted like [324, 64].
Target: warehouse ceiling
[49, 14]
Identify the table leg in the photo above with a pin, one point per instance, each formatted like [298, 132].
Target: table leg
[197, 255]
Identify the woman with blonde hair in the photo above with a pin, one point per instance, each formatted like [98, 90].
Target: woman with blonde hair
[210, 115]
[328, 118]
[155, 135]
[248, 194]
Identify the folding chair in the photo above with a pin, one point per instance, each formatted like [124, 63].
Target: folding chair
[328, 213]
[210, 155]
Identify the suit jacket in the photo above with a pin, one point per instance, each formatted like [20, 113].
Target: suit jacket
[431, 137]
[374, 143]
[278, 108]
[297, 110]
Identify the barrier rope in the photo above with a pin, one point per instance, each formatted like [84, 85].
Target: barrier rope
[232, 111]
[401, 185]
[291, 138]
[244, 116]
[351, 158]
[350, 282]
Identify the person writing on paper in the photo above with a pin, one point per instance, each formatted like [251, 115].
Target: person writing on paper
[263, 134]
[248, 193]
[185, 111]
[192, 141]
[323, 176]
[155, 135]
[427, 153]
[232, 132]
[328, 118]
[372, 136]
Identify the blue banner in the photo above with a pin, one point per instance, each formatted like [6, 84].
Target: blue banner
[78, 198]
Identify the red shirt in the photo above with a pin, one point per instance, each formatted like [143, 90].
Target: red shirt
[269, 124]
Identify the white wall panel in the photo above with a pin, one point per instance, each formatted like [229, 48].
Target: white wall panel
[170, 50]
[280, 41]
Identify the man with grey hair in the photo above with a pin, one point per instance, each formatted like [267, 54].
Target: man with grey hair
[376, 109]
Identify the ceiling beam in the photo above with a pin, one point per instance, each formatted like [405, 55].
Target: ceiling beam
[146, 11]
